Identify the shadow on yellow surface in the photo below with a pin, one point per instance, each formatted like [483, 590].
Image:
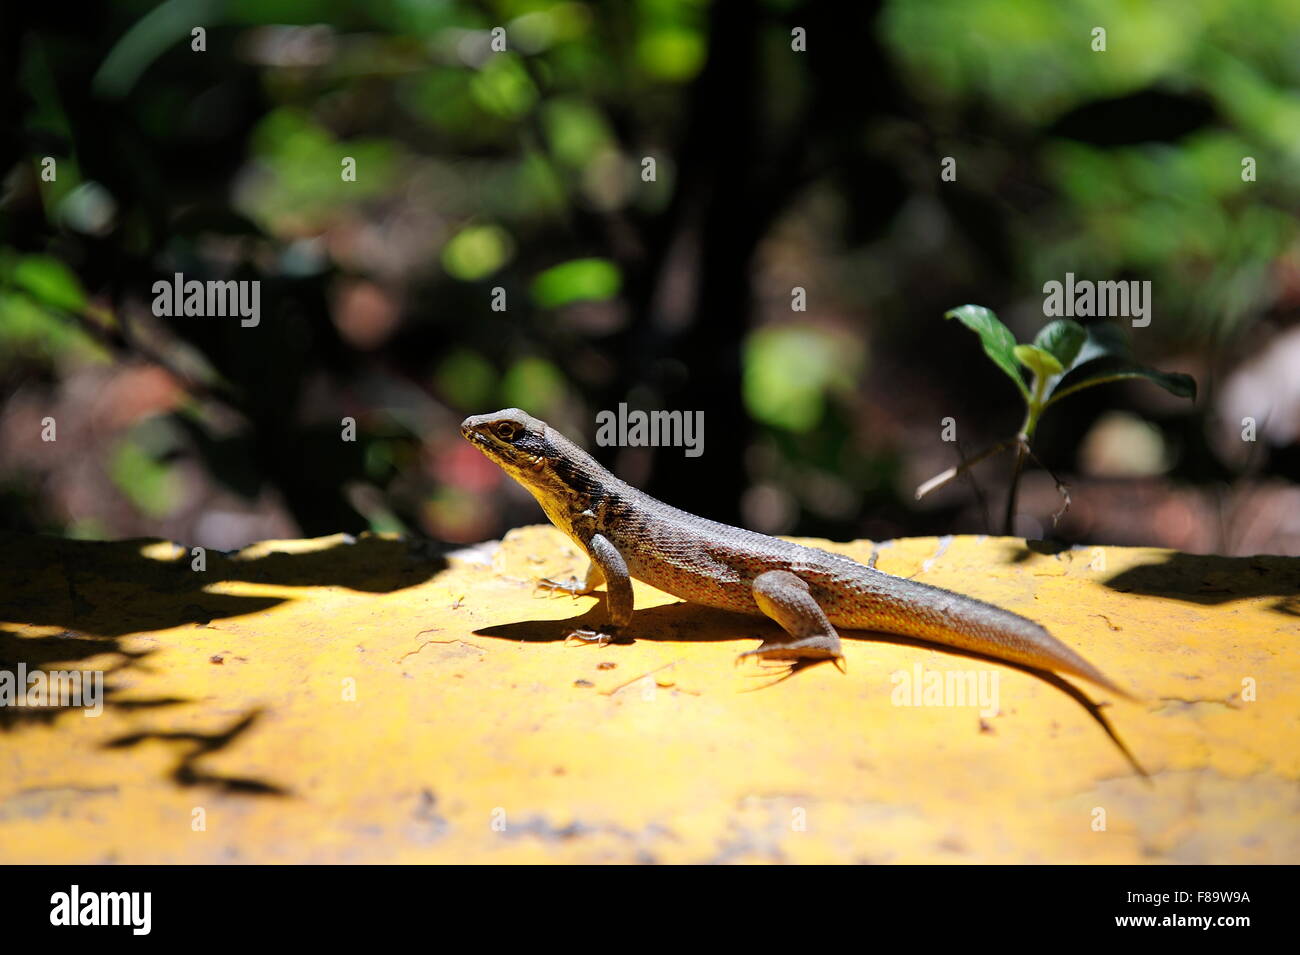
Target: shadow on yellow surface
[1210, 580]
[96, 592]
[337, 700]
[683, 621]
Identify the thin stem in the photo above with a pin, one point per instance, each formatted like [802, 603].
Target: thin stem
[1035, 409]
[939, 480]
[1008, 522]
[1092, 382]
[1061, 487]
[1032, 413]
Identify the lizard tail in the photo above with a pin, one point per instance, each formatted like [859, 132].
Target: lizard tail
[1090, 673]
[1021, 640]
[941, 616]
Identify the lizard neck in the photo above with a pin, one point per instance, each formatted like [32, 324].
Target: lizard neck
[575, 484]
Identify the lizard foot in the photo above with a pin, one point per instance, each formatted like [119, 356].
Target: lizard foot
[806, 650]
[587, 637]
[573, 586]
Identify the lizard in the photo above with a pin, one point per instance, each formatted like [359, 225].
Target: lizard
[807, 591]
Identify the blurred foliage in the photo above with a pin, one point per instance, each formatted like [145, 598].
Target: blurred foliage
[791, 370]
[1150, 134]
[486, 175]
[580, 280]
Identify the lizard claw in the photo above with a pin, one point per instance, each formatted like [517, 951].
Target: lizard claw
[797, 654]
[779, 673]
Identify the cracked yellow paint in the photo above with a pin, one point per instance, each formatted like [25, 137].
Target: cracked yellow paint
[330, 701]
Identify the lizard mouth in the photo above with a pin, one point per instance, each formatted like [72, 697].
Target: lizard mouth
[483, 443]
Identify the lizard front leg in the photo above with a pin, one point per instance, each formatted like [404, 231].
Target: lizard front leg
[787, 599]
[609, 563]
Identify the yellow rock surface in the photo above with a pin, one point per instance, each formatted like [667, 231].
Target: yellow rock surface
[338, 701]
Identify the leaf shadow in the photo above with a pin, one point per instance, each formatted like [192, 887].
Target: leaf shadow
[100, 593]
[1211, 580]
[108, 589]
[194, 747]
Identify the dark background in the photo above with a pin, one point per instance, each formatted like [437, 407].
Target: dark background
[521, 170]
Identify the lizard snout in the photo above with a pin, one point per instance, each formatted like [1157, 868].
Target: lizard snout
[471, 431]
[469, 427]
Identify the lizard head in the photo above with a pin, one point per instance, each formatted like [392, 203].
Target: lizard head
[563, 478]
[560, 476]
[514, 439]
[527, 449]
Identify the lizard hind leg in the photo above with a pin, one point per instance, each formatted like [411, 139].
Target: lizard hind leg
[786, 598]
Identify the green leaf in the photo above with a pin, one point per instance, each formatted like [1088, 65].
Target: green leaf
[1062, 339]
[503, 87]
[467, 378]
[152, 486]
[50, 282]
[1105, 340]
[999, 344]
[477, 251]
[671, 53]
[1042, 363]
[793, 372]
[576, 131]
[578, 280]
[533, 383]
[1184, 386]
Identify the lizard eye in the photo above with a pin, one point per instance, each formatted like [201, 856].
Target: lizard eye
[505, 431]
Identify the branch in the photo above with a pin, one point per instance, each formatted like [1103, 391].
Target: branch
[939, 480]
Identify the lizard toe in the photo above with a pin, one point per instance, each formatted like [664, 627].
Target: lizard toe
[807, 648]
[573, 587]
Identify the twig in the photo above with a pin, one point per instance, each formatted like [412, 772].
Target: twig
[980, 496]
[939, 480]
[409, 653]
[626, 683]
[1062, 488]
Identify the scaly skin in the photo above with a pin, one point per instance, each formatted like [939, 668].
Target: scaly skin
[809, 592]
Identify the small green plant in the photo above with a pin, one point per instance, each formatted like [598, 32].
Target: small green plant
[1055, 361]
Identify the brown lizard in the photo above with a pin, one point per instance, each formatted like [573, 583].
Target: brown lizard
[808, 592]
